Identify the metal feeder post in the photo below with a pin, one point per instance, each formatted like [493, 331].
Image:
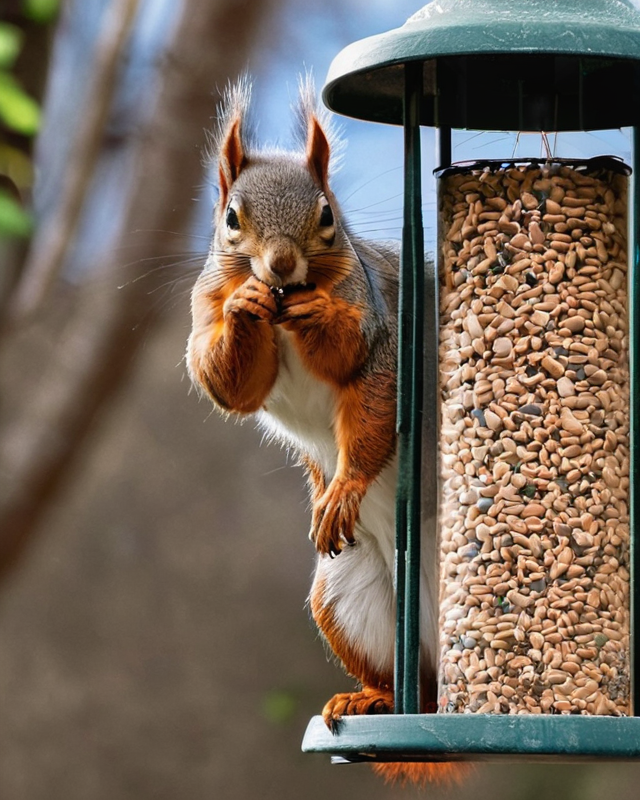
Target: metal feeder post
[503, 65]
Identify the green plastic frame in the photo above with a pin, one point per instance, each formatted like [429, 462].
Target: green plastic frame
[407, 735]
[477, 737]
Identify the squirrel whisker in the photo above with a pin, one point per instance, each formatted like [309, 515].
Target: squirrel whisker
[230, 265]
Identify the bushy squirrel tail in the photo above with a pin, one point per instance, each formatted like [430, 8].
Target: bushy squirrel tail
[421, 774]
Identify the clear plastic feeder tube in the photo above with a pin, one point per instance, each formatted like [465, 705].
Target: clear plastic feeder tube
[535, 419]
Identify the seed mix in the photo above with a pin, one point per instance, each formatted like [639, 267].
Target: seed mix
[534, 385]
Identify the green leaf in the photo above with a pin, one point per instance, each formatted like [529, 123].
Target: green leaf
[14, 220]
[279, 706]
[10, 44]
[17, 110]
[15, 165]
[42, 11]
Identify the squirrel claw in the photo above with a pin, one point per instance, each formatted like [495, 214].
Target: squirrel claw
[369, 700]
[335, 516]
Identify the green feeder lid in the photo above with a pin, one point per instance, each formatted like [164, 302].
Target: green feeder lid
[549, 65]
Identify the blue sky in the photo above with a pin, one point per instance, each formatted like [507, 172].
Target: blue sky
[306, 35]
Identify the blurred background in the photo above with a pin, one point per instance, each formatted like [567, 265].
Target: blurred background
[154, 560]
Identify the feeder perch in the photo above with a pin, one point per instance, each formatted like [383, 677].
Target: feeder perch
[518, 365]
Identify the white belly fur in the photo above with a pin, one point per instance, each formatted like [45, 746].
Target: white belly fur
[299, 413]
[300, 409]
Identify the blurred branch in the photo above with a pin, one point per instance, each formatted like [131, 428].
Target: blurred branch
[99, 347]
[51, 243]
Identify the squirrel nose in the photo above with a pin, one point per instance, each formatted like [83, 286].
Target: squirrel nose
[282, 260]
[283, 264]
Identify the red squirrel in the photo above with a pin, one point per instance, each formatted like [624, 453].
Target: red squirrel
[295, 321]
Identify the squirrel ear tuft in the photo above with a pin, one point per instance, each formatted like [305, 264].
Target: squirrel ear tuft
[318, 153]
[228, 145]
[231, 160]
[316, 132]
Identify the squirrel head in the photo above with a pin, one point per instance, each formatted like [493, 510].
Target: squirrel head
[275, 208]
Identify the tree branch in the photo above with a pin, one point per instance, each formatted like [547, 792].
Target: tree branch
[100, 344]
[51, 243]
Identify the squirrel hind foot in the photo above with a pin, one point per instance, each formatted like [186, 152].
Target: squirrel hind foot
[370, 700]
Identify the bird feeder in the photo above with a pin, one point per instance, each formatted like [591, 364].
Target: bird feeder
[518, 364]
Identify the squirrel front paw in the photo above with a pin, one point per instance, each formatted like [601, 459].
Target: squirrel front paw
[335, 515]
[302, 304]
[254, 299]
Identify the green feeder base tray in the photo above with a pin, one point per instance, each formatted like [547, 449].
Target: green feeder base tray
[476, 737]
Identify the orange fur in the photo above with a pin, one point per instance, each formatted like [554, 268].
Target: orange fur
[315, 479]
[365, 434]
[365, 427]
[328, 333]
[421, 774]
[234, 353]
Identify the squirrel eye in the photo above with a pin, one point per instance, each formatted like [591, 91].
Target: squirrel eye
[326, 216]
[232, 220]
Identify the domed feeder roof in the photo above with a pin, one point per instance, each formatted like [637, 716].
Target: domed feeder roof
[500, 65]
